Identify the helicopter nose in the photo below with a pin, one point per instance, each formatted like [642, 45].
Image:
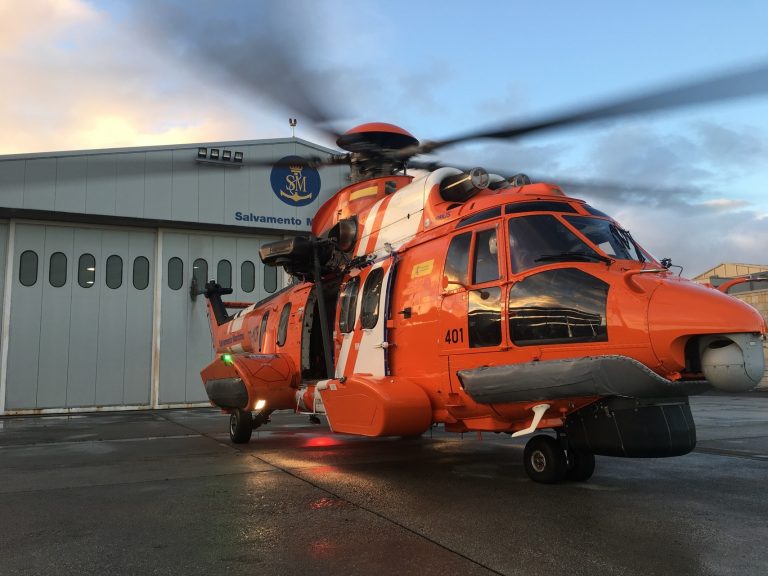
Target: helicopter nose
[728, 345]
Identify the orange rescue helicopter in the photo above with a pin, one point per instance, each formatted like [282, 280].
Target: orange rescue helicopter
[433, 295]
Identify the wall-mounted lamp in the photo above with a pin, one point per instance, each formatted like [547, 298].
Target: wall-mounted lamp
[219, 157]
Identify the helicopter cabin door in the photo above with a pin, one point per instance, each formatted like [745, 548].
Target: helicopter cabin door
[471, 332]
[362, 322]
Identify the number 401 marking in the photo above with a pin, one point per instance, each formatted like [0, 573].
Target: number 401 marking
[454, 336]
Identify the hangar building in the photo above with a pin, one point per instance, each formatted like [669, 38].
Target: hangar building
[101, 251]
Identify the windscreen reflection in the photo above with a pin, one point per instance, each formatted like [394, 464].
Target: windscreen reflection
[541, 239]
[607, 236]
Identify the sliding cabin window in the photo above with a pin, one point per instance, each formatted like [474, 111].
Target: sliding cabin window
[348, 305]
[282, 329]
[263, 330]
[369, 309]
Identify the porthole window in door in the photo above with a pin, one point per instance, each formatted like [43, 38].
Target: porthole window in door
[247, 276]
[57, 270]
[86, 270]
[200, 273]
[224, 274]
[140, 273]
[28, 268]
[270, 278]
[114, 271]
[175, 273]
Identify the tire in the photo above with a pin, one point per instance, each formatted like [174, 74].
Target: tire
[240, 426]
[545, 460]
[582, 466]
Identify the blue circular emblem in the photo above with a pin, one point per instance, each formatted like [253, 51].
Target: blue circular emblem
[294, 182]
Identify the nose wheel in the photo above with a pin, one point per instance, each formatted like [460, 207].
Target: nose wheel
[547, 462]
[240, 426]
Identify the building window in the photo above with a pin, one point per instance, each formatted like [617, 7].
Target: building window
[247, 276]
[457, 260]
[86, 270]
[114, 271]
[140, 273]
[224, 274]
[28, 268]
[348, 308]
[57, 271]
[270, 278]
[175, 273]
[369, 312]
[200, 273]
[263, 330]
[282, 328]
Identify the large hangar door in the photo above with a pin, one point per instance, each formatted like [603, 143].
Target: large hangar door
[185, 340]
[81, 318]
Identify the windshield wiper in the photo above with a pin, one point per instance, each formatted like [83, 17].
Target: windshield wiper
[579, 256]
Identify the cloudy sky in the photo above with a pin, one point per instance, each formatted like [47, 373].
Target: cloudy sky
[690, 184]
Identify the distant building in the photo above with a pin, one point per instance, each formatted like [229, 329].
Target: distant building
[102, 253]
[753, 290]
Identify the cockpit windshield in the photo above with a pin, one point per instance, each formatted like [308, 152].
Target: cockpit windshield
[607, 236]
[541, 239]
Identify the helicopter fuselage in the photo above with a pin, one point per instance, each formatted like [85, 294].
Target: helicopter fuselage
[516, 309]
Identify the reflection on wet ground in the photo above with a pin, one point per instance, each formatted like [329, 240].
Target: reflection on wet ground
[165, 493]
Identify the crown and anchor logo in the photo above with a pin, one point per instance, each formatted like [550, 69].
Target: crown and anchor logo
[294, 181]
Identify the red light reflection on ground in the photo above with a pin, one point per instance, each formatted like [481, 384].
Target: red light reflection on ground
[321, 442]
[322, 547]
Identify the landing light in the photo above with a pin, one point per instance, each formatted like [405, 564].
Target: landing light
[227, 359]
[260, 405]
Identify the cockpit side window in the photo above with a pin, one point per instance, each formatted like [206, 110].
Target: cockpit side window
[457, 259]
[485, 264]
[559, 306]
[541, 239]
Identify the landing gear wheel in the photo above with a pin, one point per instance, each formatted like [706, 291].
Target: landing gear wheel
[582, 466]
[240, 426]
[545, 460]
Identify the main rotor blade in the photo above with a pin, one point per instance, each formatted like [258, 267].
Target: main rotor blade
[747, 82]
[252, 47]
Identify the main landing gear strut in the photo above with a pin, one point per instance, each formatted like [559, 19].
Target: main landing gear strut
[550, 460]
